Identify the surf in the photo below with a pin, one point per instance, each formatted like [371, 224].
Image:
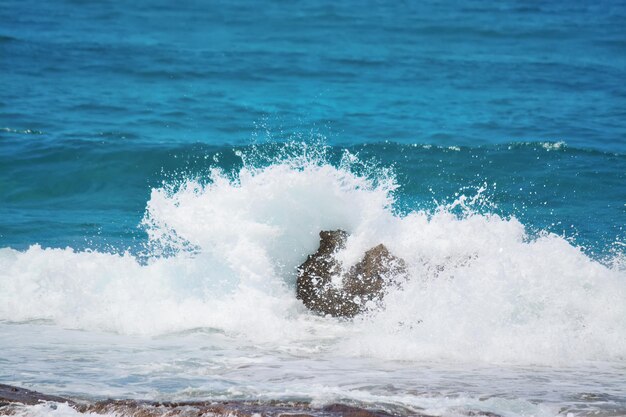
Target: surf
[223, 250]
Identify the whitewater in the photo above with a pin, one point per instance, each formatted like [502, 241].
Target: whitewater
[493, 318]
[165, 167]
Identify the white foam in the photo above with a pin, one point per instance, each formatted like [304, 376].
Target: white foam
[46, 409]
[480, 289]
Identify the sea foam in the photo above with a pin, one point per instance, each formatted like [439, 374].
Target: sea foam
[224, 253]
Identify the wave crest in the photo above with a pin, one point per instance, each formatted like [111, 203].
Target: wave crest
[480, 288]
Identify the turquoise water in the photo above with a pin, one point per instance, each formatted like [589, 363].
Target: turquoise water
[93, 194]
[99, 101]
[165, 167]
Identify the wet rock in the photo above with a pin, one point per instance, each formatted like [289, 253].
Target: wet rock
[226, 408]
[350, 411]
[229, 408]
[10, 394]
[326, 287]
[314, 285]
[13, 400]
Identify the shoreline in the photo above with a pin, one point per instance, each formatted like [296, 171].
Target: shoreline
[14, 399]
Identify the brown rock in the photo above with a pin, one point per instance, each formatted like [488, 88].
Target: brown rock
[350, 411]
[314, 284]
[366, 281]
[12, 398]
[10, 394]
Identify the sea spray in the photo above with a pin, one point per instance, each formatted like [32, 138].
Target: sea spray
[226, 247]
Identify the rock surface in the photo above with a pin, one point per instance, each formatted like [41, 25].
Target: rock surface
[326, 287]
[227, 408]
[10, 394]
[13, 399]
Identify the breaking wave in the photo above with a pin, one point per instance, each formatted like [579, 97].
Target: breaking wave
[224, 249]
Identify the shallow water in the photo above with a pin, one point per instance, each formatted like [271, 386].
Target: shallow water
[204, 364]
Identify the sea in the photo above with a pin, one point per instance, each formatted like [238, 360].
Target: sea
[166, 166]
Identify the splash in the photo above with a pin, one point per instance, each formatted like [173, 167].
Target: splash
[225, 247]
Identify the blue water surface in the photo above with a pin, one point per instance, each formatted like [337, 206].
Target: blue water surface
[100, 101]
